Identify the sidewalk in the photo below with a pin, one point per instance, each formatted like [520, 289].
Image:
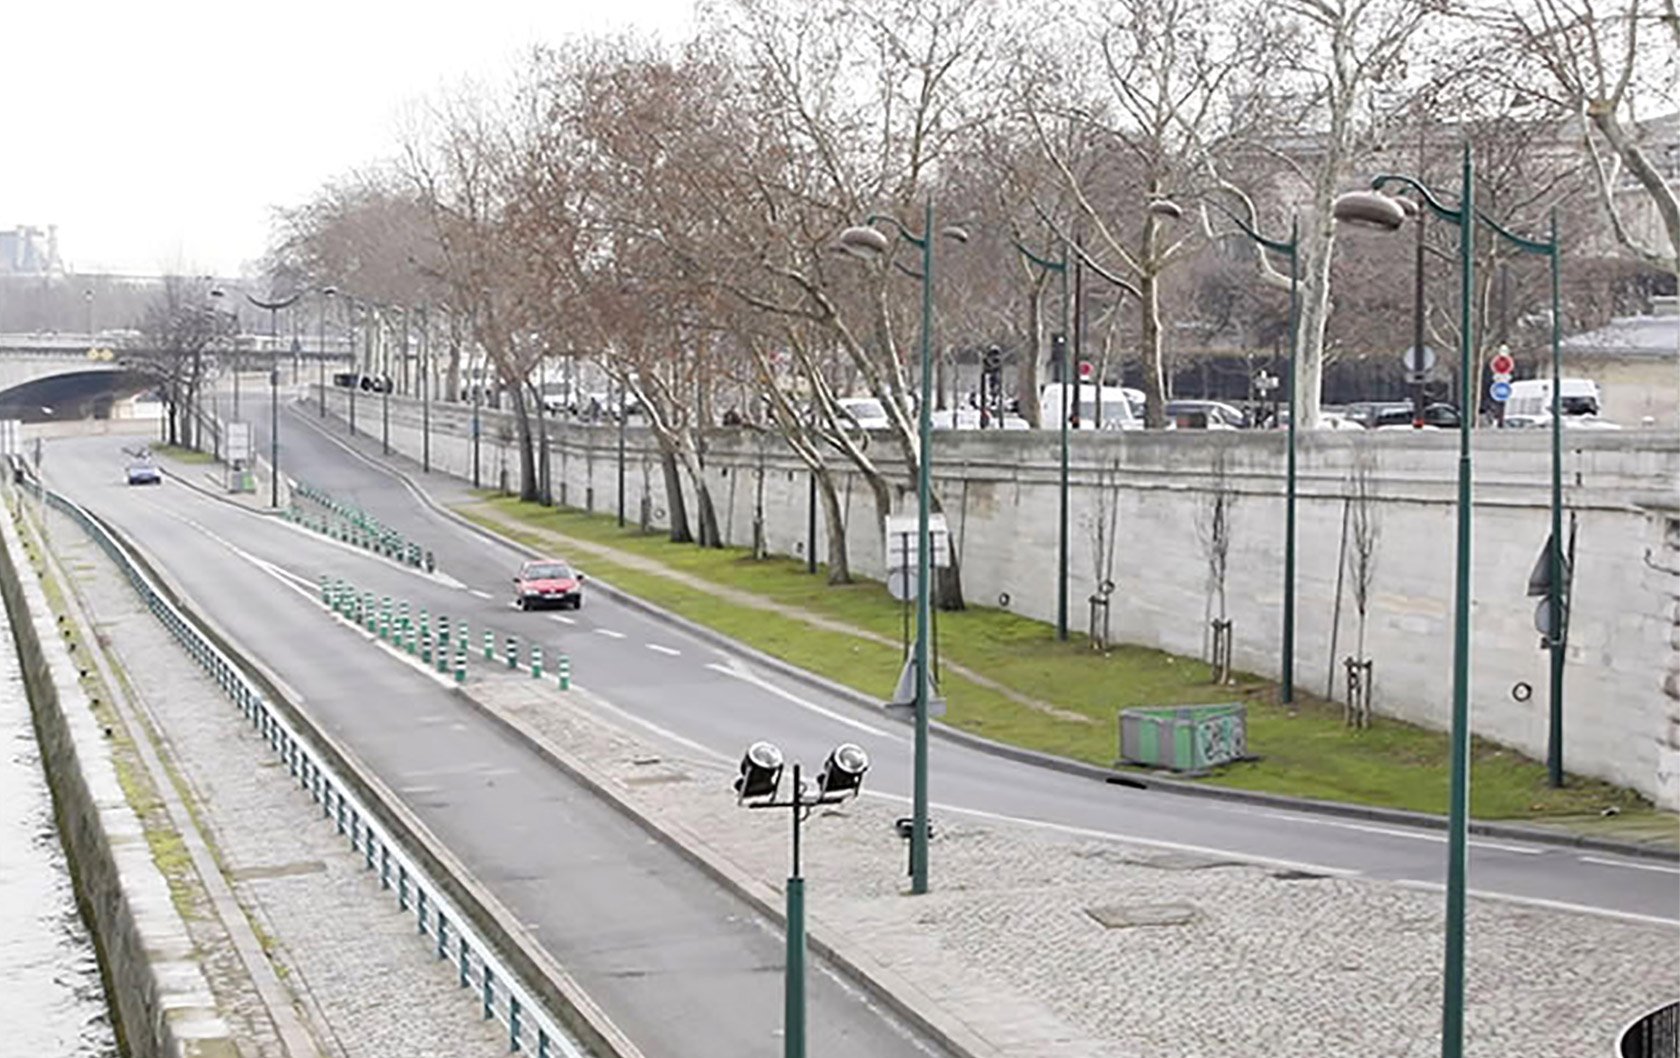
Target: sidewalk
[1036, 943]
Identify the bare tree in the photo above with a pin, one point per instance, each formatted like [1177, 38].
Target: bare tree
[1146, 132]
[1599, 61]
[1366, 530]
[1213, 529]
[1102, 524]
[176, 336]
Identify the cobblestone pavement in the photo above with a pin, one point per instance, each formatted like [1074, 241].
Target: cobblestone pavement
[367, 984]
[1261, 962]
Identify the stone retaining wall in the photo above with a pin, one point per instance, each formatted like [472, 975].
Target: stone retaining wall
[161, 1003]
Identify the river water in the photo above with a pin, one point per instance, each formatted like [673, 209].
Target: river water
[52, 1002]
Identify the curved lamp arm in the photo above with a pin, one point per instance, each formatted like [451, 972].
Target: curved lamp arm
[1047, 265]
[274, 305]
[1522, 243]
[1451, 216]
[1274, 245]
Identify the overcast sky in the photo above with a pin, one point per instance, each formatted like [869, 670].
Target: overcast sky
[159, 135]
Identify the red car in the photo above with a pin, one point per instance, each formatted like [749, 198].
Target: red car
[549, 582]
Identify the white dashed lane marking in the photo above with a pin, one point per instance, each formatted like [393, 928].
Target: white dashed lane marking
[1631, 866]
[562, 620]
[609, 633]
[480, 594]
[664, 650]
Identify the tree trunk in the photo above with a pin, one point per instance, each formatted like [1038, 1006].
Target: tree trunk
[839, 564]
[1317, 243]
[1154, 374]
[527, 464]
[674, 496]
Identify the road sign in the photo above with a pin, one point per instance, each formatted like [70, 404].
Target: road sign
[901, 541]
[1086, 370]
[1419, 361]
[901, 583]
[1500, 391]
[238, 442]
[1502, 363]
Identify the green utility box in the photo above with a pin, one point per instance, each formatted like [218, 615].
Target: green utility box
[1184, 738]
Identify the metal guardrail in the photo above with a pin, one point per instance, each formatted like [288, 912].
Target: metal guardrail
[497, 991]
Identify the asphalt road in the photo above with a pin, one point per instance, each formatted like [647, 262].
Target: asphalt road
[684, 689]
[681, 966]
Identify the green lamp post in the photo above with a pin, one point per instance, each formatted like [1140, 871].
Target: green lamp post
[1374, 210]
[273, 308]
[1556, 604]
[867, 242]
[1291, 251]
[1060, 268]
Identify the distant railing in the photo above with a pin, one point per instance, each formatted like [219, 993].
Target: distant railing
[496, 990]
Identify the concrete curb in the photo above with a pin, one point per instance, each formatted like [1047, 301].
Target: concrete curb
[896, 991]
[1137, 780]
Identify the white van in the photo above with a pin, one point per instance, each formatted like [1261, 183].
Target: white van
[1531, 399]
[1110, 406]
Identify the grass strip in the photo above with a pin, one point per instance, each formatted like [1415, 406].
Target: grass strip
[1304, 751]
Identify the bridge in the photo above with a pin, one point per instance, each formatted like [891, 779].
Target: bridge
[56, 375]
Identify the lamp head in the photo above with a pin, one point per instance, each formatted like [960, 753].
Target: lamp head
[842, 774]
[863, 241]
[761, 773]
[1166, 208]
[955, 232]
[1368, 209]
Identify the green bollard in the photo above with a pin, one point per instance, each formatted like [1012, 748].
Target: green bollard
[441, 657]
[565, 667]
[536, 662]
[512, 652]
[489, 645]
[425, 622]
[408, 634]
[326, 589]
[402, 615]
[425, 648]
[443, 627]
[371, 613]
[461, 662]
[462, 637]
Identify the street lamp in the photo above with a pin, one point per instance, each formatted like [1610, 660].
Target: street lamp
[1373, 210]
[87, 298]
[327, 294]
[756, 787]
[274, 391]
[1290, 250]
[867, 242]
[355, 366]
[1060, 343]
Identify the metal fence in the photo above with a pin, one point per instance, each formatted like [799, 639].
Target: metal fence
[496, 991]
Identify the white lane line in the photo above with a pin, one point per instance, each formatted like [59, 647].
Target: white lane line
[756, 681]
[1109, 835]
[597, 702]
[609, 633]
[562, 620]
[1659, 868]
[664, 650]
[1396, 832]
[1542, 902]
[480, 594]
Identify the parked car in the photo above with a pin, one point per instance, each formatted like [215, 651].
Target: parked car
[143, 471]
[1109, 406]
[1205, 414]
[548, 582]
[866, 412]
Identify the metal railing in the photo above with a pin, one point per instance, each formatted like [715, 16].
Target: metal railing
[497, 992]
